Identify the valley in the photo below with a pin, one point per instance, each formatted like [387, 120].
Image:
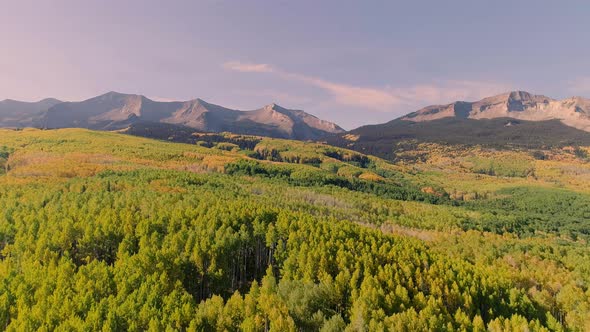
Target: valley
[294, 166]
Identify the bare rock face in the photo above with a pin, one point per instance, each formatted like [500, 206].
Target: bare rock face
[116, 111]
[573, 112]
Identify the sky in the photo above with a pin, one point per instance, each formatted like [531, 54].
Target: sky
[350, 62]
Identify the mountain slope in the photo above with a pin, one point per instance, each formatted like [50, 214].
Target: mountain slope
[574, 111]
[515, 119]
[106, 112]
[113, 111]
[15, 113]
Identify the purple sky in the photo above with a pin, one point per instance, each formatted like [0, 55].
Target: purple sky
[352, 62]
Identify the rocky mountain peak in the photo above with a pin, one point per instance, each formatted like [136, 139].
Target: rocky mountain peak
[522, 105]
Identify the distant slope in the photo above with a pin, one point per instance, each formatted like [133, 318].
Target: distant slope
[516, 119]
[162, 131]
[115, 111]
[15, 113]
[381, 140]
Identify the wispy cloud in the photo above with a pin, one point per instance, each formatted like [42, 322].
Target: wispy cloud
[374, 99]
[248, 67]
[163, 99]
[385, 99]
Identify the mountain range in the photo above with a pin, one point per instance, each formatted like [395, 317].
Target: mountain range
[515, 118]
[117, 111]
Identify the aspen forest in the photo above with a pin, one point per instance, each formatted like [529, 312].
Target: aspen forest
[103, 231]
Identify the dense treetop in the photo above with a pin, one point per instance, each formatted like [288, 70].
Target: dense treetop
[103, 231]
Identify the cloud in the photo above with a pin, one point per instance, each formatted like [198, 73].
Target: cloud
[385, 99]
[163, 99]
[248, 67]
[343, 94]
[374, 99]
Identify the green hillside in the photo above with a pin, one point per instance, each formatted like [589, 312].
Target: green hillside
[106, 231]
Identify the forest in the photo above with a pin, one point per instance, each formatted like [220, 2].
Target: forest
[112, 232]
